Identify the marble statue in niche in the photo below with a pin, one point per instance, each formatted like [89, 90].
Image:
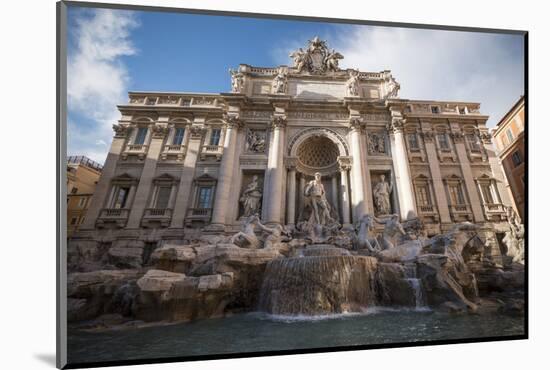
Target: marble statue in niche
[251, 197]
[381, 194]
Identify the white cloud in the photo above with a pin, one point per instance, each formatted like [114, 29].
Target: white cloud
[97, 79]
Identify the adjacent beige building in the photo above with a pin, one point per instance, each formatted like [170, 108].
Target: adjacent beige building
[510, 143]
[82, 177]
[179, 163]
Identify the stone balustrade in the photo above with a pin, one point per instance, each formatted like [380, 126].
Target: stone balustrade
[117, 216]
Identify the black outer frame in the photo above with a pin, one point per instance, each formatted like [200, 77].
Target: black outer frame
[61, 192]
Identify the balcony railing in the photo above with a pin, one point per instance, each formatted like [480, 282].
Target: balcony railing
[494, 208]
[158, 212]
[173, 151]
[156, 216]
[117, 216]
[212, 150]
[198, 215]
[459, 208]
[200, 212]
[135, 149]
[426, 208]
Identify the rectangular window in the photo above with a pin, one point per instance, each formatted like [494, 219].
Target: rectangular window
[140, 135]
[73, 220]
[413, 142]
[423, 195]
[473, 142]
[435, 109]
[516, 158]
[178, 136]
[215, 136]
[205, 193]
[163, 196]
[487, 194]
[443, 141]
[461, 110]
[81, 202]
[509, 135]
[121, 197]
[455, 192]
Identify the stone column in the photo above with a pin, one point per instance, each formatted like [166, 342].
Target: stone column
[335, 202]
[225, 175]
[344, 167]
[184, 191]
[439, 187]
[275, 170]
[471, 188]
[102, 188]
[147, 174]
[301, 188]
[358, 198]
[504, 189]
[403, 179]
[291, 193]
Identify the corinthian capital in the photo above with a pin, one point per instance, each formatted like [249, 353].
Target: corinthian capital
[356, 123]
[396, 125]
[278, 121]
[120, 130]
[159, 131]
[232, 121]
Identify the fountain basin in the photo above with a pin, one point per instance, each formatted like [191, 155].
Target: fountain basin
[321, 284]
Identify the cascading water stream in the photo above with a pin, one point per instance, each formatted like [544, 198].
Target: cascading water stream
[416, 285]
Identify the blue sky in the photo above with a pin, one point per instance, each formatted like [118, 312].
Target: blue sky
[112, 52]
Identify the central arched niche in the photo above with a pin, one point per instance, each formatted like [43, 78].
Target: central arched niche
[318, 153]
[317, 150]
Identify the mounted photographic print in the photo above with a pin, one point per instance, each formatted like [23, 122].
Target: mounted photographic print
[239, 185]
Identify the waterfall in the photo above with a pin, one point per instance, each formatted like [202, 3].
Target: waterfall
[416, 285]
[325, 280]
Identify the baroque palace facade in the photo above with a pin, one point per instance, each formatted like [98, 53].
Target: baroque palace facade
[182, 164]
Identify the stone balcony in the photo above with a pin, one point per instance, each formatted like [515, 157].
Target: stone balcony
[211, 151]
[494, 211]
[198, 216]
[114, 216]
[156, 217]
[139, 150]
[461, 212]
[173, 151]
[428, 213]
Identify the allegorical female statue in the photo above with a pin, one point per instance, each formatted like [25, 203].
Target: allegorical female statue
[381, 193]
[251, 198]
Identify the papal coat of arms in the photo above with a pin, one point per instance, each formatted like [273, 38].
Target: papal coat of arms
[317, 58]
